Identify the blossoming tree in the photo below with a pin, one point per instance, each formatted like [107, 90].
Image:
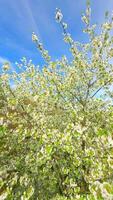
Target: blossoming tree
[56, 124]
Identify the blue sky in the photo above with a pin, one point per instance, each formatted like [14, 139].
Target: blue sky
[19, 18]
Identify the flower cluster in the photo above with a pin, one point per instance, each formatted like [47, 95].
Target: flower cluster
[59, 15]
[40, 47]
[108, 26]
[6, 66]
[34, 37]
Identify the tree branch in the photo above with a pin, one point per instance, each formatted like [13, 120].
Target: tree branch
[101, 88]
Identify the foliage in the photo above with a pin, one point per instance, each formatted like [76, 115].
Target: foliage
[56, 123]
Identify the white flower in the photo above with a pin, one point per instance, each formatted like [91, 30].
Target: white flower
[67, 38]
[85, 19]
[40, 46]
[110, 141]
[80, 129]
[108, 26]
[4, 77]
[1, 121]
[64, 25]
[6, 66]
[34, 37]
[88, 11]
[59, 15]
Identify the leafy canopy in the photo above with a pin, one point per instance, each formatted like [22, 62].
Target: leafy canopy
[56, 123]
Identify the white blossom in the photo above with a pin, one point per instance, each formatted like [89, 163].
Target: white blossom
[64, 25]
[34, 37]
[6, 66]
[85, 19]
[58, 15]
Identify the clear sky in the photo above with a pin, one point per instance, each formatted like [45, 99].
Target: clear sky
[19, 18]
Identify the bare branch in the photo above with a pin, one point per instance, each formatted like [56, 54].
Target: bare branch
[101, 88]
